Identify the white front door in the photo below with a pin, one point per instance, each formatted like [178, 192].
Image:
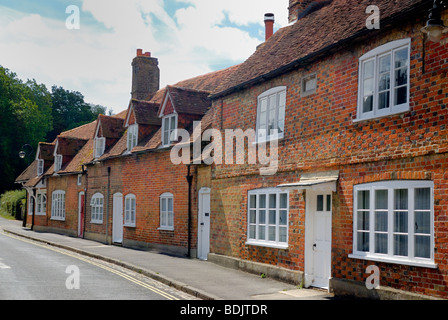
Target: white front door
[318, 239]
[117, 226]
[204, 224]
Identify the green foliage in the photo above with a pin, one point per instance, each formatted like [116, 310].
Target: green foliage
[12, 203]
[30, 114]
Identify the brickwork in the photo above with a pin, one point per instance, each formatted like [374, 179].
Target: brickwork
[320, 135]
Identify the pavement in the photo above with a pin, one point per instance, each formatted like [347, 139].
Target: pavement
[202, 279]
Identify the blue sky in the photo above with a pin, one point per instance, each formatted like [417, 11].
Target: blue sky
[189, 37]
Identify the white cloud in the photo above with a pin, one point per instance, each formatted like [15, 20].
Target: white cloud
[97, 61]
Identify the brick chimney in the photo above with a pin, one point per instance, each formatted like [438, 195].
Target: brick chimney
[145, 75]
[269, 25]
[296, 7]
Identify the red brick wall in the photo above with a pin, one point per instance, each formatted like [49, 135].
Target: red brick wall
[320, 135]
[147, 176]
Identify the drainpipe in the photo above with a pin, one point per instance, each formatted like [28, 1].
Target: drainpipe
[107, 208]
[84, 170]
[34, 207]
[189, 180]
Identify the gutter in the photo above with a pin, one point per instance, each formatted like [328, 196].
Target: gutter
[389, 22]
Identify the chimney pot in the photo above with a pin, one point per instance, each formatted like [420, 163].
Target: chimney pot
[269, 24]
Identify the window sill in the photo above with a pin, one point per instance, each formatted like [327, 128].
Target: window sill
[57, 219]
[404, 261]
[130, 225]
[166, 228]
[96, 222]
[375, 117]
[267, 244]
[279, 138]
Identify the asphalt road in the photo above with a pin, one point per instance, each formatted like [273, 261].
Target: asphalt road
[33, 271]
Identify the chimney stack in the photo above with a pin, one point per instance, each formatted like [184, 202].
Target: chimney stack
[145, 75]
[296, 7]
[269, 25]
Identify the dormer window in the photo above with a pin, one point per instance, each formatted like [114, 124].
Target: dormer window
[100, 146]
[169, 127]
[132, 136]
[57, 162]
[40, 167]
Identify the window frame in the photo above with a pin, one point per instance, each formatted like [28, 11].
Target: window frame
[101, 150]
[58, 205]
[57, 162]
[392, 186]
[304, 81]
[374, 56]
[132, 137]
[40, 167]
[41, 203]
[278, 92]
[97, 208]
[170, 130]
[257, 224]
[130, 213]
[166, 216]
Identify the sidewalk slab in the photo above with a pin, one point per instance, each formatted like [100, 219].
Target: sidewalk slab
[202, 279]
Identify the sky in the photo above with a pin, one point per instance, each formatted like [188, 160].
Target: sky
[189, 38]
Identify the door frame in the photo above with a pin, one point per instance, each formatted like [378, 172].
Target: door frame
[310, 208]
[116, 219]
[201, 217]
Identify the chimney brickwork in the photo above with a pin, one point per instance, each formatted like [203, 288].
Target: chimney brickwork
[145, 75]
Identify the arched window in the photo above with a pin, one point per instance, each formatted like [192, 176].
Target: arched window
[97, 205]
[130, 210]
[167, 211]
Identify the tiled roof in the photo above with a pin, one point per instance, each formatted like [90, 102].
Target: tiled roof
[189, 100]
[146, 112]
[46, 151]
[29, 173]
[331, 26]
[111, 127]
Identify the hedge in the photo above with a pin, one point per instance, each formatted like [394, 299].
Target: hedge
[13, 203]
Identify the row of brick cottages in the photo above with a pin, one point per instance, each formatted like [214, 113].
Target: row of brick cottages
[362, 158]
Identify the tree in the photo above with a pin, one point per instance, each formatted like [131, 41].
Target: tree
[70, 111]
[25, 118]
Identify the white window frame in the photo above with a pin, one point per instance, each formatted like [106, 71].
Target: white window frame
[79, 181]
[41, 203]
[58, 205]
[391, 186]
[259, 224]
[40, 167]
[166, 215]
[100, 146]
[132, 138]
[97, 208]
[271, 104]
[130, 210]
[170, 130]
[305, 80]
[374, 56]
[57, 162]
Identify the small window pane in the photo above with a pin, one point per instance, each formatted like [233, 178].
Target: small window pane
[363, 220]
[384, 64]
[384, 100]
[271, 233]
[272, 201]
[328, 202]
[401, 58]
[364, 199]
[283, 201]
[283, 217]
[367, 104]
[320, 203]
[401, 221]
[401, 199]
[422, 199]
[381, 243]
[401, 95]
[381, 199]
[262, 217]
[422, 222]
[272, 216]
[401, 77]
[363, 241]
[401, 245]
[252, 201]
[381, 221]
[262, 201]
[422, 247]
[369, 69]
